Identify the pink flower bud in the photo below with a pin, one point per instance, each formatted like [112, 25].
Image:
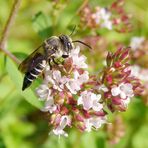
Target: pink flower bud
[109, 59]
[80, 117]
[64, 110]
[116, 100]
[117, 53]
[100, 113]
[117, 64]
[86, 114]
[81, 126]
[107, 95]
[124, 54]
[109, 79]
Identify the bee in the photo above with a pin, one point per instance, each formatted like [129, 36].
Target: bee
[51, 48]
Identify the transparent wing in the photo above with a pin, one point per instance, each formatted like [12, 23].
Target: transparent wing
[34, 58]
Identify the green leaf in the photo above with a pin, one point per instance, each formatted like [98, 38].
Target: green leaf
[88, 137]
[17, 78]
[42, 25]
[68, 17]
[20, 55]
[140, 138]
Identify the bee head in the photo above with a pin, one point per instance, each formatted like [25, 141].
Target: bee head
[66, 42]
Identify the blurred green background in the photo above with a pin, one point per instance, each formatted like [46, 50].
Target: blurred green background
[22, 125]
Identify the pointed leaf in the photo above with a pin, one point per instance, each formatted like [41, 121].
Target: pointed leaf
[17, 78]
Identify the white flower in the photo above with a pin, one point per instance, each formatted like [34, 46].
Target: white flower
[59, 80]
[139, 72]
[49, 76]
[125, 102]
[49, 106]
[78, 61]
[90, 100]
[103, 88]
[83, 78]
[136, 42]
[107, 24]
[54, 77]
[95, 122]
[44, 92]
[124, 90]
[65, 120]
[74, 84]
[105, 14]
[102, 17]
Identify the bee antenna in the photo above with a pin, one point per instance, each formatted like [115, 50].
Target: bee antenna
[74, 28]
[83, 43]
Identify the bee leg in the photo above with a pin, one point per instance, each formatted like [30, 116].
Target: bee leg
[43, 75]
[65, 56]
[49, 61]
[54, 61]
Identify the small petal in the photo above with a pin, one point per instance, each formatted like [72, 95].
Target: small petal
[136, 42]
[49, 106]
[103, 88]
[76, 75]
[57, 75]
[122, 95]
[126, 102]
[75, 51]
[127, 89]
[90, 100]
[95, 122]
[96, 105]
[73, 86]
[78, 61]
[98, 121]
[115, 91]
[88, 125]
[59, 132]
[83, 77]
[65, 120]
[80, 101]
[43, 92]
[85, 100]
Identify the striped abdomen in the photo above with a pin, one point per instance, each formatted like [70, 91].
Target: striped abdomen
[33, 74]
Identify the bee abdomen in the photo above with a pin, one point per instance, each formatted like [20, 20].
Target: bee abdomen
[33, 74]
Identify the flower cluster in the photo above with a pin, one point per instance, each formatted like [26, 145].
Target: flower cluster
[121, 84]
[120, 19]
[75, 98]
[99, 18]
[139, 57]
[136, 42]
[139, 50]
[68, 98]
[113, 17]
[102, 17]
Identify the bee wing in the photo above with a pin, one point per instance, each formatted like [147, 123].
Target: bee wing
[32, 60]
